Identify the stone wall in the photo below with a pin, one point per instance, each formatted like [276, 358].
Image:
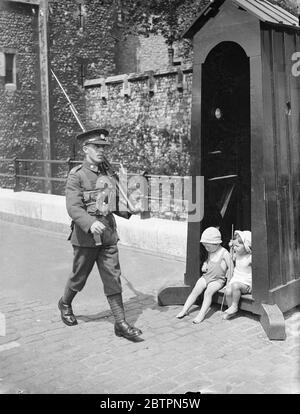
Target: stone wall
[148, 116]
[103, 51]
[140, 53]
[20, 117]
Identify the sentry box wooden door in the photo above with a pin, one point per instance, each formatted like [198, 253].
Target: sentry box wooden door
[225, 135]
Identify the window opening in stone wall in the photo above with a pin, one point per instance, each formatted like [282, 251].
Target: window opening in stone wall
[9, 68]
[82, 73]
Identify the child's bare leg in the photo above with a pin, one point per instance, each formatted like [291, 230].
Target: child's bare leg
[237, 289]
[228, 294]
[197, 290]
[211, 289]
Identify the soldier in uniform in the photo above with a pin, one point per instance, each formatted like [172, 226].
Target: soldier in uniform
[90, 201]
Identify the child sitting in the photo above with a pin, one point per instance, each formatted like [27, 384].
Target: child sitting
[241, 281]
[214, 272]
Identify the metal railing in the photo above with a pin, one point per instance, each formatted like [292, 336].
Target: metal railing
[17, 176]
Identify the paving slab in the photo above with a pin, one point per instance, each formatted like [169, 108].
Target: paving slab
[175, 356]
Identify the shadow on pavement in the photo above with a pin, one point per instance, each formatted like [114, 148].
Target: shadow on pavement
[134, 307]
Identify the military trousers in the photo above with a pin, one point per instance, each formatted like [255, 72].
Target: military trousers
[107, 260]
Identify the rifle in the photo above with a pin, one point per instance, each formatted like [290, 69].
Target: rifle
[72, 107]
[112, 173]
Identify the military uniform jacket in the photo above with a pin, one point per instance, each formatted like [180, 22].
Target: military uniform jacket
[80, 179]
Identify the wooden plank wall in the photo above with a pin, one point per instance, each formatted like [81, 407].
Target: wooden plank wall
[281, 101]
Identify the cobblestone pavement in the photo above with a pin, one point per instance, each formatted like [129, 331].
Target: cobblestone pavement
[41, 355]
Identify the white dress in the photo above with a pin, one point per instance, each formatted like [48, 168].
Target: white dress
[242, 271]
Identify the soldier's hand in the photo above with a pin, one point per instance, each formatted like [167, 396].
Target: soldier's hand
[97, 227]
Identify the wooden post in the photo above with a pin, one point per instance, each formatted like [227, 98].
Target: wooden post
[44, 78]
[258, 203]
[194, 229]
[17, 186]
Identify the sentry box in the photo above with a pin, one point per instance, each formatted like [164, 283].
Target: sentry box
[246, 144]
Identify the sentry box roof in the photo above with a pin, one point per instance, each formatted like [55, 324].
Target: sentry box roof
[263, 10]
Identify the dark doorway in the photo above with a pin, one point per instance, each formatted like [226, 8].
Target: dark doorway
[225, 137]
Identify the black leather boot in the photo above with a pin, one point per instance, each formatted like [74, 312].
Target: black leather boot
[66, 313]
[124, 329]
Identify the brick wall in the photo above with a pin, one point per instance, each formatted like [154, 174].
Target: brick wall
[20, 125]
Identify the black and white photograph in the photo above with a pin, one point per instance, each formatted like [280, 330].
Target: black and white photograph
[149, 201]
